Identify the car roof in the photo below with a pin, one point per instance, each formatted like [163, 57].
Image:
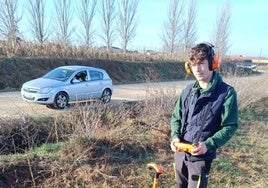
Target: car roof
[78, 67]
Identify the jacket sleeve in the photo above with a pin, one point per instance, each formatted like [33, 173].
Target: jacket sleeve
[229, 123]
[176, 120]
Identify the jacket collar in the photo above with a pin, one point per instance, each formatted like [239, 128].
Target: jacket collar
[216, 79]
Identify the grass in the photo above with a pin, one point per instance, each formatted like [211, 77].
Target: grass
[242, 161]
[97, 145]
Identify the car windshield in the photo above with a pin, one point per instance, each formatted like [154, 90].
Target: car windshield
[59, 74]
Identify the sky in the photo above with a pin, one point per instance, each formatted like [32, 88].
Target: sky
[248, 25]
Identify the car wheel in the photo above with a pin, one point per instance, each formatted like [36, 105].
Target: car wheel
[106, 96]
[61, 100]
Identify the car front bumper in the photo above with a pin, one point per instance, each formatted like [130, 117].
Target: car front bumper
[37, 98]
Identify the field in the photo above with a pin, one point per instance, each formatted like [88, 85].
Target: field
[109, 146]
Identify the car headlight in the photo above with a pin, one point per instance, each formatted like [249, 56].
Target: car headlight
[45, 90]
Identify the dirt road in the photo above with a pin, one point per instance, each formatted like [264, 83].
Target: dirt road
[12, 106]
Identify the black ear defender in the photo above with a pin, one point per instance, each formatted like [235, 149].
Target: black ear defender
[213, 59]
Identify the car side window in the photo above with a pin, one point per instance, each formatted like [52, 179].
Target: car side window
[95, 75]
[80, 77]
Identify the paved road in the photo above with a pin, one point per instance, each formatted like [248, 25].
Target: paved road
[12, 106]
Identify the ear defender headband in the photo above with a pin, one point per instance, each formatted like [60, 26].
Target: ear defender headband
[213, 59]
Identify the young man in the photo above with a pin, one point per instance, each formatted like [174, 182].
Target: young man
[206, 115]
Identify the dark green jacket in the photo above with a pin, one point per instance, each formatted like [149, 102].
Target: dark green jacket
[222, 121]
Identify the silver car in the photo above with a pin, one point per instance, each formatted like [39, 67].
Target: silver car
[68, 84]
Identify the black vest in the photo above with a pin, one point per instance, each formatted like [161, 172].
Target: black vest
[194, 106]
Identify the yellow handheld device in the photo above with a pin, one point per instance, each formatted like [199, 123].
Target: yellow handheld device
[189, 148]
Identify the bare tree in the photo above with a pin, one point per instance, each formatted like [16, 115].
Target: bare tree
[88, 10]
[36, 11]
[9, 21]
[63, 21]
[190, 34]
[107, 12]
[171, 35]
[222, 30]
[127, 21]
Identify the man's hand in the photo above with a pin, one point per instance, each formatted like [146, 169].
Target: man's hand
[200, 149]
[173, 147]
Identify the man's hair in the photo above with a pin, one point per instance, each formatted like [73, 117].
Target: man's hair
[201, 52]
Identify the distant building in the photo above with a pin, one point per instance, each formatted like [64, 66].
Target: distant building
[150, 52]
[112, 49]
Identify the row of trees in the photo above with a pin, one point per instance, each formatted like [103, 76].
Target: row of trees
[125, 16]
[180, 31]
[118, 19]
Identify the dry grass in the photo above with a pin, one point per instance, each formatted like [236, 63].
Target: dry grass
[96, 145]
[56, 50]
[250, 89]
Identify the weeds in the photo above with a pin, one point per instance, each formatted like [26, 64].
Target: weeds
[250, 90]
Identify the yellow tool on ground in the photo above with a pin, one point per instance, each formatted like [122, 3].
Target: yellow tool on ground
[159, 171]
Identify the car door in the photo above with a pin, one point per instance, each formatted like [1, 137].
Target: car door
[78, 88]
[95, 84]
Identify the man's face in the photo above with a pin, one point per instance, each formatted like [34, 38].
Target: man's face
[201, 71]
